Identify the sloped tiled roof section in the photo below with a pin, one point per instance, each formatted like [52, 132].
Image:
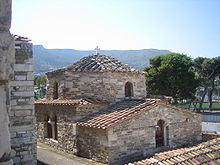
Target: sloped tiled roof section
[99, 63]
[122, 111]
[117, 113]
[82, 101]
[204, 153]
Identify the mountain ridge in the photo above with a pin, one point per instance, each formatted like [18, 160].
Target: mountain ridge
[50, 59]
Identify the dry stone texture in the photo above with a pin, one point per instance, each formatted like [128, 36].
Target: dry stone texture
[22, 114]
[106, 86]
[67, 116]
[6, 73]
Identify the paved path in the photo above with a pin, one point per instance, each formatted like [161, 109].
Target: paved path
[48, 156]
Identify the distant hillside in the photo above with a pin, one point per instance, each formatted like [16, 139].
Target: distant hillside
[50, 59]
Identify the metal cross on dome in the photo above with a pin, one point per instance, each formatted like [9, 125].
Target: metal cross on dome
[97, 50]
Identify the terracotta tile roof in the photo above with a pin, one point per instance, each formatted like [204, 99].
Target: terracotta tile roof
[203, 153]
[20, 38]
[83, 101]
[122, 111]
[99, 63]
[117, 113]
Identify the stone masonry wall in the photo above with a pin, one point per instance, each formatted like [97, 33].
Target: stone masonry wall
[135, 138]
[67, 116]
[65, 123]
[106, 86]
[22, 114]
[6, 74]
[5, 145]
[92, 143]
[58, 78]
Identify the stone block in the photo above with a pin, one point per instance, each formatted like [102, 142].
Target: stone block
[13, 102]
[23, 67]
[6, 55]
[24, 153]
[113, 137]
[22, 107]
[23, 94]
[16, 160]
[30, 76]
[22, 128]
[23, 112]
[21, 83]
[20, 77]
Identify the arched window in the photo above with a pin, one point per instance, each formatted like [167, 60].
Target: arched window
[128, 89]
[160, 133]
[52, 128]
[55, 91]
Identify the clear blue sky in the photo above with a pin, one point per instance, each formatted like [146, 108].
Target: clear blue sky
[186, 26]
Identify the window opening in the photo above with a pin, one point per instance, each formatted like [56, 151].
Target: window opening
[160, 133]
[52, 128]
[128, 89]
[55, 91]
[49, 128]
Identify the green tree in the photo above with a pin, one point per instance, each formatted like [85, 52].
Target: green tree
[171, 75]
[40, 83]
[207, 70]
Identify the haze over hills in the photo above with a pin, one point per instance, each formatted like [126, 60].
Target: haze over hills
[50, 59]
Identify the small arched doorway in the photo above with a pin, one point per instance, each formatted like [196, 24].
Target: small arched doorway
[160, 133]
[52, 127]
[55, 90]
[128, 89]
[49, 128]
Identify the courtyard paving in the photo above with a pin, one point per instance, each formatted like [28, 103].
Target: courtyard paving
[49, 156]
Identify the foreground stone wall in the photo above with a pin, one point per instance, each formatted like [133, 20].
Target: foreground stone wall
[6, 73]
[134, 139]
[22, 114]
[106, 86]
[5, 145]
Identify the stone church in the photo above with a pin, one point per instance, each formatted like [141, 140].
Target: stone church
[97, 108]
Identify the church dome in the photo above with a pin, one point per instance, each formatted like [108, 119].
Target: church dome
[99, 63]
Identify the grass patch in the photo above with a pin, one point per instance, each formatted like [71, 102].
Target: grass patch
[204, 105]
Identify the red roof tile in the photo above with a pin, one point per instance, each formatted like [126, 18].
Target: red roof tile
[83, 101]
[203, 153]
[117, 113]
[122, 111]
